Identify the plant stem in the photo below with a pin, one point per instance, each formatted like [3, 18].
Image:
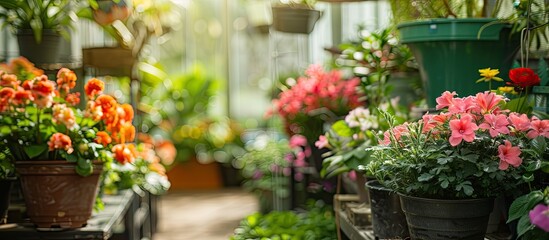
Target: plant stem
[38, 139]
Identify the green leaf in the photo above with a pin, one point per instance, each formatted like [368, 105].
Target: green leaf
[35, 150]
[341, 128]
[425, 177]
[468, 189]
[444, 184]
[71, 157]
[522, 205]
[524, 226]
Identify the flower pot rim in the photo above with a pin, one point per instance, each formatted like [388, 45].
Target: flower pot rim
[540, 89]
[378, 186]
[451, 21]
[465, 200]
[52, 162]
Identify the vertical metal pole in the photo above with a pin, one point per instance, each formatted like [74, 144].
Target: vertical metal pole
[336, 23]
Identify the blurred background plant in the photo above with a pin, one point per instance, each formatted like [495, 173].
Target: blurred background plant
[178, 108]
[267, 167]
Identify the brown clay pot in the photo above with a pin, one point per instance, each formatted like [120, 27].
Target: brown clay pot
[55, 195]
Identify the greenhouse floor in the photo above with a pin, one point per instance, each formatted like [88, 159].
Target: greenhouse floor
[211, 214]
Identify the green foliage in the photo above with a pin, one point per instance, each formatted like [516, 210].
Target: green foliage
[178, 107]
[520, 209]
[318, 223]
[6, 166]
[263, 164]
[38, 15]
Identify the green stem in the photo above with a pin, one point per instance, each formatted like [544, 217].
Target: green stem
[38, 139]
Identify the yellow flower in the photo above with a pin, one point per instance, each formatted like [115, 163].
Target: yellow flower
[488, 74]
[507, 89]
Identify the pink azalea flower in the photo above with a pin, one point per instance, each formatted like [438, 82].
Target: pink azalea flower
[539, 216]
[445, 100]
[508, 155]
[298, 141]
[538, 128]
[461, 105]
[463, 129]
[487, 102]
[428, 123]
[322, 142]
[520, 122]
[496, 124]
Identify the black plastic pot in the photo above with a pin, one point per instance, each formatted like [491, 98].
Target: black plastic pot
[388, 220]
[48, 51]
[447, 219]
[5, 189]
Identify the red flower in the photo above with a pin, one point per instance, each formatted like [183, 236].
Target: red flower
[523, 77]
[22, 96]
[73, 98]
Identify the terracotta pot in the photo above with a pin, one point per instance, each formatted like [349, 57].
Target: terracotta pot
[55, 195]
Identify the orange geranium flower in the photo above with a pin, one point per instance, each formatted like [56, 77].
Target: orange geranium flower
[107, 103]
[63, 114]
[127, 112]
[7, 93]
[22, 97]
[66, 80]
[94, 87]
[60, 141]
[103, 138]
[9, 80]
[73, 98]
[124, 153]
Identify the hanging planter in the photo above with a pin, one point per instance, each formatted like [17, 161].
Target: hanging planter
[295, 19]
[446, 219]
[108, 11]
[46, 52]
[451, 51]
[55, 195]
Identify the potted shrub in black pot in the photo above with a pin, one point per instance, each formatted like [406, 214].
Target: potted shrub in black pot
[40, 26]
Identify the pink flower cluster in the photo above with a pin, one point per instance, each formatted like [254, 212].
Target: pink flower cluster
[318, 89]
[476, 118]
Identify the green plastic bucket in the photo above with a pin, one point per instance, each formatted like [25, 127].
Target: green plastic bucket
[451, 51]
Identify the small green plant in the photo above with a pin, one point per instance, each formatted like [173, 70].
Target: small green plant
[318, 223]
[7, 169]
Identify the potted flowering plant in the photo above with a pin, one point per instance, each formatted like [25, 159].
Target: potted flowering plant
[469, 153]
[52, 142]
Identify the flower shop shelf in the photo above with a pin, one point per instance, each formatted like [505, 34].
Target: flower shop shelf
[353, 232]
[120, 219]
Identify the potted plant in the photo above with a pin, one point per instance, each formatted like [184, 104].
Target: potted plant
[59, 151]
[266, 169]
[451, 40]
[40, 26]
[295, 16]
[459, 159]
